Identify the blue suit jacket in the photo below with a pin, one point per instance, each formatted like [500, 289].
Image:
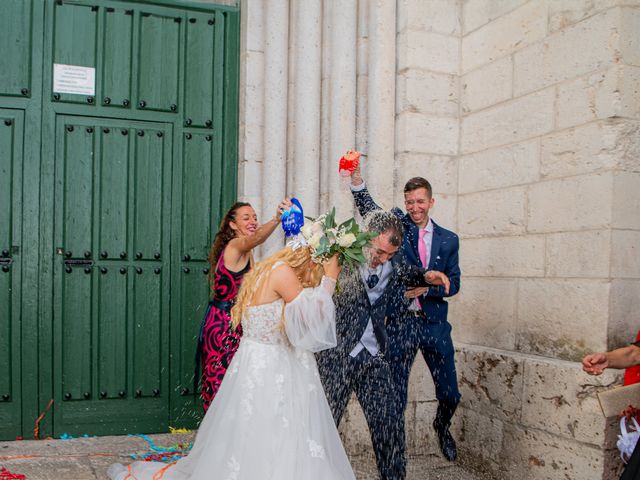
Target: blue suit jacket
[353, 308]
[444, 258]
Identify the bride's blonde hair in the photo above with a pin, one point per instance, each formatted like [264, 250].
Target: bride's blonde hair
[296, 258]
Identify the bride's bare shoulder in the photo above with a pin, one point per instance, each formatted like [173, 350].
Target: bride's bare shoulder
[285, 282]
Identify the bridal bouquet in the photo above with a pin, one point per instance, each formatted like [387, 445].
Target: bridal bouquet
[326, 238]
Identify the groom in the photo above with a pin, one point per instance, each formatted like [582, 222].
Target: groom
[358, 363]
[422, 322]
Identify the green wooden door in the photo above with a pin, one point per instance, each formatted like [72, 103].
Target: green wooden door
[11, 137]
[111, 289]
[130, 166]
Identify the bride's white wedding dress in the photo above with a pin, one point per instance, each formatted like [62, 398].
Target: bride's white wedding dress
[270, 419]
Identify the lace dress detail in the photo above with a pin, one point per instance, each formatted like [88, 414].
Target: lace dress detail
[270, 419]
[263, 323]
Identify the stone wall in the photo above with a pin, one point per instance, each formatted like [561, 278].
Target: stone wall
[525, 117]
[548, 178]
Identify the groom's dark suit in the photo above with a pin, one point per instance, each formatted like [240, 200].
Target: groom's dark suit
[427, 330]
[369, 376]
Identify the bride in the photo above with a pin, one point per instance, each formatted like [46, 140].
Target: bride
[270, 419]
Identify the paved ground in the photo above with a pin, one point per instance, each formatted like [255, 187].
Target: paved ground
[88, 459]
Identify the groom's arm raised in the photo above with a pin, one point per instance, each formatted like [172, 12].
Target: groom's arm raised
[363, 200]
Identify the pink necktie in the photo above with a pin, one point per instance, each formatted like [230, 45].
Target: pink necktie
[422, 248]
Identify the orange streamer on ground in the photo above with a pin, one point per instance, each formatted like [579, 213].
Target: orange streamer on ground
[36, 430]
[159, 474]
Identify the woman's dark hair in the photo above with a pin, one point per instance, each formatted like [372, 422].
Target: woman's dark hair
[224, 235]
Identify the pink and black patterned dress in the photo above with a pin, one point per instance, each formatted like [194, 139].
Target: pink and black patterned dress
[218, 342]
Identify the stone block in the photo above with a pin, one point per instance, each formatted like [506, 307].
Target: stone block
[509, 122]
[425, 441]
[503, 256]
[579, 254]
[576, 203]
[444, 211]
[362, 109]
[354, 429]
[478, 435]
[487, 85]
[494, 212]
[590, 45]
[588, 148]
[625, 254]
[531, 454]
[563, 13]
[629, 84]
[410, 428]
[515, 164]
[623, 312]
[254, 87]
[427, 92]
[593, 96]
[252, 20]
[419, 133]
[629, 38]
[485, 312]
[427, 51]
[252, 140]
[476, 13]
[421, 388]
[440, 171]
[560, 398]
[490, 382]
[441, 16]
[626, 200]
[510, 32]
[562, 318]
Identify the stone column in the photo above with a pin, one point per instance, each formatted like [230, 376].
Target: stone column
[379, 166]
[251, 103]
[342, 104]
[306, 151]
[276, 79]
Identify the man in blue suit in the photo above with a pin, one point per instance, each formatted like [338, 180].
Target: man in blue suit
[422, 323]
[359, 363]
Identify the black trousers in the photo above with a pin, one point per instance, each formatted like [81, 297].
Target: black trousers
[370, 378]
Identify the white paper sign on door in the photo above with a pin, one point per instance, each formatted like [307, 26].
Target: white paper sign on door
[74, 79]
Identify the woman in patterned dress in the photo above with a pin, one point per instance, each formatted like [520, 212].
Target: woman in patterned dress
[230, 258]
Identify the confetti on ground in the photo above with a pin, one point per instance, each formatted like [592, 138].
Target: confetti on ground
[161, 454]
[7, 475]
[178, 430]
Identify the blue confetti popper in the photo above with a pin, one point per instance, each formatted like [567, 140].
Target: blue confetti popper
[293, 219]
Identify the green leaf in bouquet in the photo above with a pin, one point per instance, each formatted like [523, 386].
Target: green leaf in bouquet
[349, 253]
[330, 220]
[348, 226]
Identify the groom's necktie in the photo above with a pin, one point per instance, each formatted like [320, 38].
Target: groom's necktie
[422, 247]
[373, 280]
[422, 252]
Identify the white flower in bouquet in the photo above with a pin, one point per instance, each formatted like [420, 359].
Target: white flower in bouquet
[346, 240]
[333, 235]
[317, 227]
[326, 238]
[307, 230]
[314, 241]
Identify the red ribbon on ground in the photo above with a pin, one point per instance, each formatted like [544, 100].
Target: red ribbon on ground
[7, 475]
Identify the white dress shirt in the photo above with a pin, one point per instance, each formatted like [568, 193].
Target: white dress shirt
[368, 340]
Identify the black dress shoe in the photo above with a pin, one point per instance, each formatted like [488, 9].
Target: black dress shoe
[447, 443]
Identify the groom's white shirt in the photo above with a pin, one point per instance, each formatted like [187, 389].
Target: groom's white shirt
[368, 340]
